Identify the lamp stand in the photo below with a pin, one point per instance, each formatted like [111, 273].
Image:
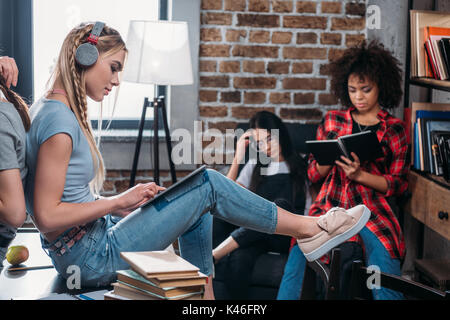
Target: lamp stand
[158, 103]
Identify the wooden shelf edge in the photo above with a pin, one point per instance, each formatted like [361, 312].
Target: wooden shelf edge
[431, 83]
[436, 179]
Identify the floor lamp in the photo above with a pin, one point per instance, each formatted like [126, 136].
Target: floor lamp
[158, 54]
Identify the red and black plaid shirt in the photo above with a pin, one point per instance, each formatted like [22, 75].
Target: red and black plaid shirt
[339, 191]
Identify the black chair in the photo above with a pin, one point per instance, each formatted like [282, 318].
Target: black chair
[331, 281]
[412, 290]
[329, 275]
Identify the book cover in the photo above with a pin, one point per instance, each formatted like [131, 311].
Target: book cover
[364, 144]
[420, 131]
[424, 106]
[434, 40]
[326, 152]
[444, 46]
[165, 282]
[431, 60]
[437, 156]
[136, 293]
[130, 277]
[429, 23]
[421, 19]
[423, 117]
[443, 140]
[159, 263]
[433, 125]
[416, 159]
[127, 293]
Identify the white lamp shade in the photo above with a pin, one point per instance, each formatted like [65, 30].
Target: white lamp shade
[158, 53]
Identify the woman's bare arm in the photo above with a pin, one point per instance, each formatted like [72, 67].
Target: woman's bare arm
[12, 200]
[50, 213]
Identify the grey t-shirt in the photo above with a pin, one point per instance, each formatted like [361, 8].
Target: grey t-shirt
[12, 140]
[12, 151]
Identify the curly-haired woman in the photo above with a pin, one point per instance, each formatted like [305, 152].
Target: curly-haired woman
[367, 81]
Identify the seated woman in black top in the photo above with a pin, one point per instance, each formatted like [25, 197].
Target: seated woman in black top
[277, 174]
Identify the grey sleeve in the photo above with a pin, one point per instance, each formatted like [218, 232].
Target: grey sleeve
[8, 142]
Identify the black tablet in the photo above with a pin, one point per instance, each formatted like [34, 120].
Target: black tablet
[176, 185]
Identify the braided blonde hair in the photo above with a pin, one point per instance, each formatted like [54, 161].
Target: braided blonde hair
[73, 79]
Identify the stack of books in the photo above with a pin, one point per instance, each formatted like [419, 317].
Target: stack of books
[157, 275]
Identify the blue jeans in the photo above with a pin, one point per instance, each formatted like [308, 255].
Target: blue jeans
[183, 213]
[376, 254]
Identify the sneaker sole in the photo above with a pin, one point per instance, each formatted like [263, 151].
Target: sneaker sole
[337, 240]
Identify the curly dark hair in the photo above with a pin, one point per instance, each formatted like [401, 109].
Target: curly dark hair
[371, 60]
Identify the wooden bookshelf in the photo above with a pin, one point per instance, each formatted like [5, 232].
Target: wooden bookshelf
[431, 83]
[429, 202]
[430, 194]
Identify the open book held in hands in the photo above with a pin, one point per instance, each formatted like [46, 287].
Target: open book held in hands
[364, 144]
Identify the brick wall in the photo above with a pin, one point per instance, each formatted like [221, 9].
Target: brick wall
[271, 55]
[265, 55]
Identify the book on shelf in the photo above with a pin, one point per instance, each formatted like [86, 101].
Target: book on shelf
[444, 46]
[364, 144]
[415, 106]
[435, 55]
[415, 148]
[423, 117]
[438, 154]
[442, 140]
[420, 20]
[132, 278]
[153, 264]
[419, 145]
[431, 60]
[435, 126]
[433, 35]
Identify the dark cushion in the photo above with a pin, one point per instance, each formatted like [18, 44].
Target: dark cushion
[269, 269]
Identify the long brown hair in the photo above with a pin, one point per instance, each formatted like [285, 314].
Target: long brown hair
[18, 102]
[297, 165]
[73, 79]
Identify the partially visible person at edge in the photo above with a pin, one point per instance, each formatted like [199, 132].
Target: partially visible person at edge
[367, 82]
[14, 122]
